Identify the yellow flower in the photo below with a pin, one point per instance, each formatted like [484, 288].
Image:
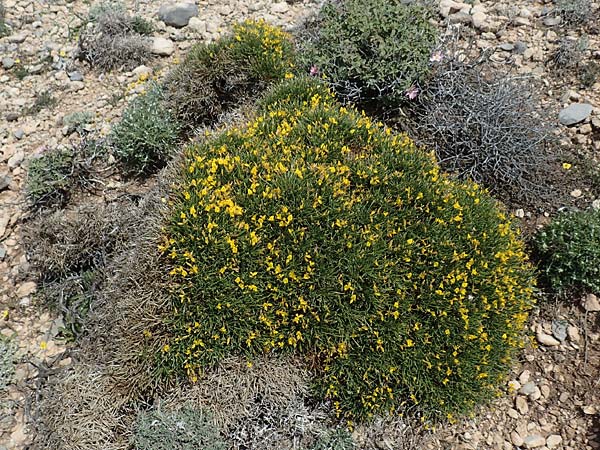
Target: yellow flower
[43, 345]
[566, 165]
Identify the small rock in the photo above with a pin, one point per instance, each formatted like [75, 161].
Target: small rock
[197, 25]
[460, 17]
[533, 441]
[16, 159]
[12, 116]
[564, 397]
[521, 404]
[163, 46]
[528, 388]
[522, 22]
[18, 134]
[507, 47]
[520, 47]
[559, 329]
[591, 303]
[546, 339]
[512, 413]
[552, 21]
[75, 86]
[177, 15]
[524, 377]
[280, 8]
[520, 213]
[516, 439]
[142, 71]
[590, 410]
[8, 63]
[553, 441]
[17, 38]
[545, 390]
[5, 180]
[75, 76]
[576, 193]
[573, 333]
[479, 20]
[575, 113]
[514, 385]
[595, 203]
[26, 289]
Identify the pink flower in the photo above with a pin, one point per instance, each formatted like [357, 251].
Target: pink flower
[436, 56]
[314, 71]
[412, 92]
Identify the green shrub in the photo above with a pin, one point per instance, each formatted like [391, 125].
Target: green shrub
[574, 12]
[370, 49]
[146, 137]
[335, 440]
[77, 121]
[4, 30]
[8, 348]
[186, 429]
[216, 77]
[43, 100]
[54, 174]
[314, 230]
[568, 250]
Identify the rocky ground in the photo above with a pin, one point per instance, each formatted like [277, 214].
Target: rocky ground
[553, 398]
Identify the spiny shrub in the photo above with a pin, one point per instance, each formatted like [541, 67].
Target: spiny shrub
[147, 135]
[568, 250]
[490, 129]
[8, 348]
[570, 52]
[216, 77]
[369, 49]
[54, 174]
[574, 12]
[186, 429]
[4, 30]
[316, 231]
[115, 39]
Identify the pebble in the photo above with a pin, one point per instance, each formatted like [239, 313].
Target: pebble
[552, 21]
[559, 329]
[197, 25]
[528, 388]
[553, 441]
[8, 63]
[534, 441]
[574, 114]
[26, 289]
[573, 333]
[546, 339]
[75, 76]
[16, 159]
[591, 303]
[576, 193]
[507, 47]
[595, 203]
[162, 46]
[524, 377]
[521, 404]
[516, 439]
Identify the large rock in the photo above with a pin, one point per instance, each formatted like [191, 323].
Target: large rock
[575, 113]
[162, 46]
[177, 14]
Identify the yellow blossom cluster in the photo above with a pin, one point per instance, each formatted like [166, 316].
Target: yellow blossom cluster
[315, 230]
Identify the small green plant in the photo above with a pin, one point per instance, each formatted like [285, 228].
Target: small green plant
[315, 231]
[370, 49]
[44, 100]
[77, 121]
[8, 348]
[339, 439]
[570, 52]
[20, 71]
[568, 250]
[214, 78]
[589, 73]
[146, 137]
[574, 12]
[52, 175]
[4, 30]
[185, 429]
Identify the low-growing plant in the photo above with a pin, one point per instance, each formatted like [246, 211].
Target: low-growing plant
[214, 78]
[77, 121]
[570, 52]
[8, 349]
[574, 12]
[184, 429]
[315, 231]
[115, 39]
[568, 250]
[487, 128]
[55, 173]
[370, 49]
[4, 30]
[44, 100]
[589, 73]
[146, 137]
[339, 439]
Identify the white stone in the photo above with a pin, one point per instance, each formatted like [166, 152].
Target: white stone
[521, 404]
[197, 25]
[545, 339]
[534, 441]
[162, 46]
[591, 303]
[26, 289]
[516, 439]
[553, 441]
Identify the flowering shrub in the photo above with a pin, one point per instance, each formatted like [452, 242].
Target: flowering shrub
[216, 77]
[370, 49]
[568, 250]
[314, 230]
